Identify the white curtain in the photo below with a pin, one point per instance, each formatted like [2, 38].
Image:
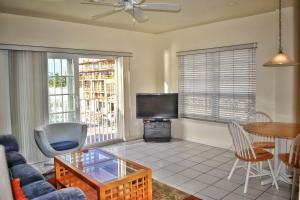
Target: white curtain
[28, 99]
[5, 124]
[133, 128]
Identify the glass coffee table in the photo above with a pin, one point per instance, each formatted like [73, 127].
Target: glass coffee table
[101, 175]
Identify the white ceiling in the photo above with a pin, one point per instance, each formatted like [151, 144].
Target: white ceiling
[194, 12]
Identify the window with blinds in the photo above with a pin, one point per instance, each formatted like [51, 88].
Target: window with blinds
[217, 84]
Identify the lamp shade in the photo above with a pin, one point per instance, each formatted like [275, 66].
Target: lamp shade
[281, 59]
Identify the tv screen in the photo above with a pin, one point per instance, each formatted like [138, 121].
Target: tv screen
[157, 106]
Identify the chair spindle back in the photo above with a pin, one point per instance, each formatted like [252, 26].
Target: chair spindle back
[294, 158]
[241, 141]
[259, 116]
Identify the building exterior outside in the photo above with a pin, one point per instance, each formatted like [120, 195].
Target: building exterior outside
[98, 98]
[88, 93]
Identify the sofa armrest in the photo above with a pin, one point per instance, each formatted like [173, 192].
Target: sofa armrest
[63, 194]
[9, 142]
[5, 188]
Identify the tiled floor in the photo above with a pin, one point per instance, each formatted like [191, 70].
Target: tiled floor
[197, 169]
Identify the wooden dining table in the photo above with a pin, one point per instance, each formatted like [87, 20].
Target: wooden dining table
[277, 130]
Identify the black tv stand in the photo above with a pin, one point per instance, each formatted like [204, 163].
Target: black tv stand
[157, 130]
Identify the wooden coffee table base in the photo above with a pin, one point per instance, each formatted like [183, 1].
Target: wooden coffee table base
[137, 186]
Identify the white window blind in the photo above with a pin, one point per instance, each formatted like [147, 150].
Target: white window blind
[217, 84]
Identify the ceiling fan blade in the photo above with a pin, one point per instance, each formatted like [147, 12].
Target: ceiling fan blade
[169, 7]
[95, 17]
[101, 3]
[137, 2]
[53, 0]
[138, 14]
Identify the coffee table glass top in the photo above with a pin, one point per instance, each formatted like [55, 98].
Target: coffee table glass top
[101, 166]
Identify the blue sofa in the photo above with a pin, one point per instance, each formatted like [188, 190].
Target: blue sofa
[33, 183]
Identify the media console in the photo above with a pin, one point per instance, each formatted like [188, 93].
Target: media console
[157, 130]
[156, 110]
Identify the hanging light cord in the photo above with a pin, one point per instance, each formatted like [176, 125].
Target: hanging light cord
[280, 40]
[133, 14]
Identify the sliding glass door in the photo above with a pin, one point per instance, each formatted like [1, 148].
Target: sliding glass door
[86, 89]
[98, 98]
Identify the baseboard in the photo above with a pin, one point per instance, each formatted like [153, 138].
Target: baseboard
[201, 141]
[135, 137]
[102, 144]
[191, 139]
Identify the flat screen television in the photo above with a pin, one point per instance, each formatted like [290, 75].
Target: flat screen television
[157, 106]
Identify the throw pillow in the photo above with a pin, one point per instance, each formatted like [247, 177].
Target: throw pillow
[17, 190]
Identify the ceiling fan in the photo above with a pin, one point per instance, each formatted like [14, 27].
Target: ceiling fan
[133, 7]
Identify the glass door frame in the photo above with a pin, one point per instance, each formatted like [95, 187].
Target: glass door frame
[73, 57]
[120, 99]
[116, 65]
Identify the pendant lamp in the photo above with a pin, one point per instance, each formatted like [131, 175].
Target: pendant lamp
[281, 59]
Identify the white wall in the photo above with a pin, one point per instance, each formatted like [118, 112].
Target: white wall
[274, 86]
[154, 63]
[286, 78]
[297, 53]
[43, 32]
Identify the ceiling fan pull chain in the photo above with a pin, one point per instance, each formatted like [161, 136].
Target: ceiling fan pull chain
[133, 16]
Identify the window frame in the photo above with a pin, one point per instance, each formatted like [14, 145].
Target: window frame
[75, 78]
[187, 90]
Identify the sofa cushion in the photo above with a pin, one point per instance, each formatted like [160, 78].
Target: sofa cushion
[14, 158]
[26, 173]
[64, 145]
[63, 194]
[9, 142]
[37, 189]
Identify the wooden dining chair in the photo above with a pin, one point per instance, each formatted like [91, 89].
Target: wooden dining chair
[291, 160]
[244, 151]
[261, 141]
